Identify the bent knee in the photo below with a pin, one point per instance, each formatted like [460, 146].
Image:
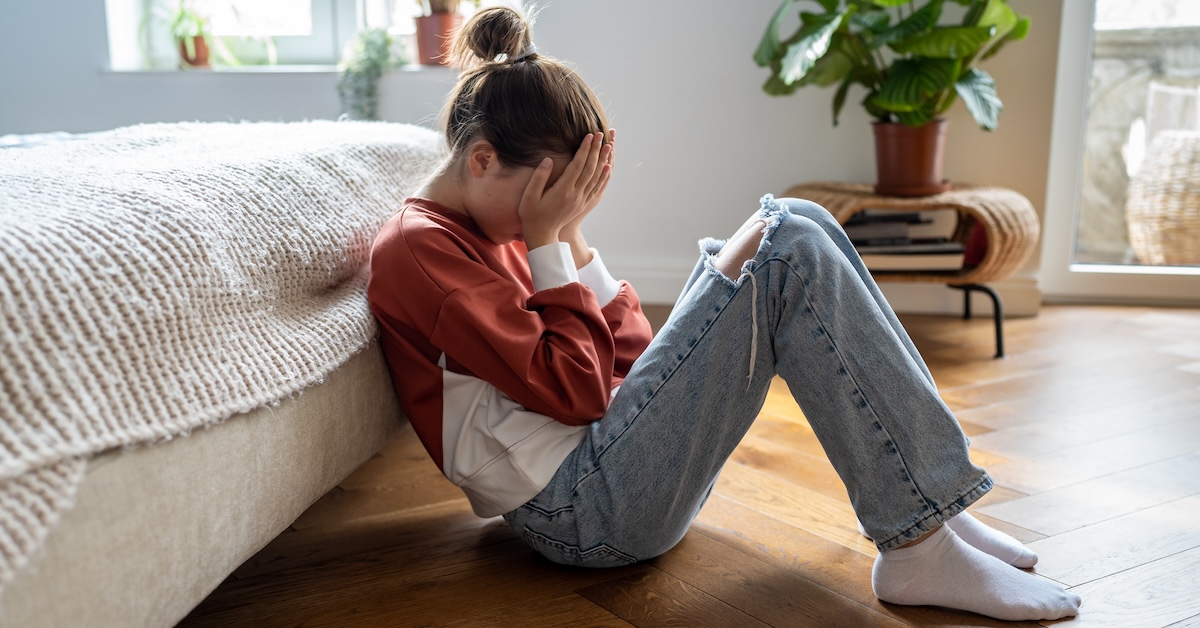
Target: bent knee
[741, 248]
[809, 209]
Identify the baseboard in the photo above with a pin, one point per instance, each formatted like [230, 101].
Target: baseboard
[1019, 295]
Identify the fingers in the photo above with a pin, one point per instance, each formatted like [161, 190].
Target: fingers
[612, 141]
[537, 183]
[579, 169]
[603, 173]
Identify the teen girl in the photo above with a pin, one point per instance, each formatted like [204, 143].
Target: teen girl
[531, 377]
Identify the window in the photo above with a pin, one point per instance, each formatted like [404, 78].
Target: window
[258, 18]
[1134, 14]
[398, 17]
[247, 32]
[261, 32]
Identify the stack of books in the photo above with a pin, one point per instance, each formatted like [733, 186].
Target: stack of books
[890, 240]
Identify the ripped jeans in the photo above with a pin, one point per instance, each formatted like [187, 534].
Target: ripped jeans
[804, 308]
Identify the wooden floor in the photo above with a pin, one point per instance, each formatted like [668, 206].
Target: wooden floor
[1091, 429]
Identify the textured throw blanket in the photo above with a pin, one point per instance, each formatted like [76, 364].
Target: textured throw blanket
[159, 278]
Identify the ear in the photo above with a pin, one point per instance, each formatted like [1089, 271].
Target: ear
[481, 157]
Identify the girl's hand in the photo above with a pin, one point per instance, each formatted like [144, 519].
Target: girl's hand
[572, 233]
[573, 229]
[544, 212]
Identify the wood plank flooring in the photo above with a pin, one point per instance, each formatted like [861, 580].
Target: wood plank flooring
[1090, 427]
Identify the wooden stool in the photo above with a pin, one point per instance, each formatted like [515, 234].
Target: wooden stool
[1008, 219]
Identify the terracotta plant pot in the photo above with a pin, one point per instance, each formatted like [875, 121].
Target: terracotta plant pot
[200, 59]
[433, 37]
[908, 160]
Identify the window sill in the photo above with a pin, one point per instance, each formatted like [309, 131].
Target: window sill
[260, 70]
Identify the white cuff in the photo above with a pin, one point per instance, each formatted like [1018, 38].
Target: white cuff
[595, 275]
[552, 266]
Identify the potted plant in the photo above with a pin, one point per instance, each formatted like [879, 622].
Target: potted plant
[435, 27]
[366, 58]
[912, 65]
[192, 34]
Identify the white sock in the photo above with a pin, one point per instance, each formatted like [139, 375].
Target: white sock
[987, 539]
[943, 570]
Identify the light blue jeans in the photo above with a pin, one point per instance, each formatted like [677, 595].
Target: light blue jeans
[804, 308]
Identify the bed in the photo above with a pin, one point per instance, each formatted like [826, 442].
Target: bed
[187, 360]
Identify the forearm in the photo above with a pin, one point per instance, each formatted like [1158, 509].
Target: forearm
[580, 252]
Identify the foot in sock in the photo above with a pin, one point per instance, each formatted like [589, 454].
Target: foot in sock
[985, 538]
[943, 570]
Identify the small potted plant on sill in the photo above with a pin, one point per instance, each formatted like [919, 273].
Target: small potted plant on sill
[192, 35]
[364, 61]
[912, 65]
[435, 27]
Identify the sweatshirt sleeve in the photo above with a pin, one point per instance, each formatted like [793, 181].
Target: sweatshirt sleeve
[552, 351]
[552, 266]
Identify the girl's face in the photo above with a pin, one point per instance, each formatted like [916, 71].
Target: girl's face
[493, 192]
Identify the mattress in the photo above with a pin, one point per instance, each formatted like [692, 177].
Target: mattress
[156, 528]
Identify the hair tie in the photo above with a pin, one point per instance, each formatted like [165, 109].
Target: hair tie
[529, 50]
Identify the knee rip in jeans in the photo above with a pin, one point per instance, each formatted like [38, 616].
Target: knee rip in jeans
[739, 253]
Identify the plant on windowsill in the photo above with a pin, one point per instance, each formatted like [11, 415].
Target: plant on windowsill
[366, 58]
[913, 68]
[435, 27]
[192, 34]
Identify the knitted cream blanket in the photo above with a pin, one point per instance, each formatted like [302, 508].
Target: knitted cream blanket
[159, 278]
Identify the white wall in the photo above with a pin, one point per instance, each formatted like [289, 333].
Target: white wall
[699, 142]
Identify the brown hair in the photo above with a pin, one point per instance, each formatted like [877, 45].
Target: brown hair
[527, 108]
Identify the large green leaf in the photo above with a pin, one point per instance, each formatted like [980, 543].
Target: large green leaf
[913, 82]
[974, 12]
[776, 87]
[890, 3]
[1001, 18]
[810, 43]
[770, 46]
[829, 5]
[883, 115]
[946, 42]
[920, 117]
[858, 75]
[831, 67]
[998, 14]
[1021, 30]
[978, 91]
[919, 22]
[839, 97]
[1016, 34]
[873, 22]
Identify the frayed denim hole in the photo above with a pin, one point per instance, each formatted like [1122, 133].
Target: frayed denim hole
[772, 215]
[711, 246]
[710, 260]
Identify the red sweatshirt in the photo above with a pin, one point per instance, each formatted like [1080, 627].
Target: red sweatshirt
[500, 356]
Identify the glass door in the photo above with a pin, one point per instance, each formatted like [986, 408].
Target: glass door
[1123, 203]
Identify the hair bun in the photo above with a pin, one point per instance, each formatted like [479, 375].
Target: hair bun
[490, 33]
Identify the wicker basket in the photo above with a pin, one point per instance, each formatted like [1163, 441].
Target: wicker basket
[1163, 206]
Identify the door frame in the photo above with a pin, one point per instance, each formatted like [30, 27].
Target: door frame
[1061, 280]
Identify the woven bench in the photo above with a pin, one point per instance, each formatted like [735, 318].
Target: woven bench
[1008, 220]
